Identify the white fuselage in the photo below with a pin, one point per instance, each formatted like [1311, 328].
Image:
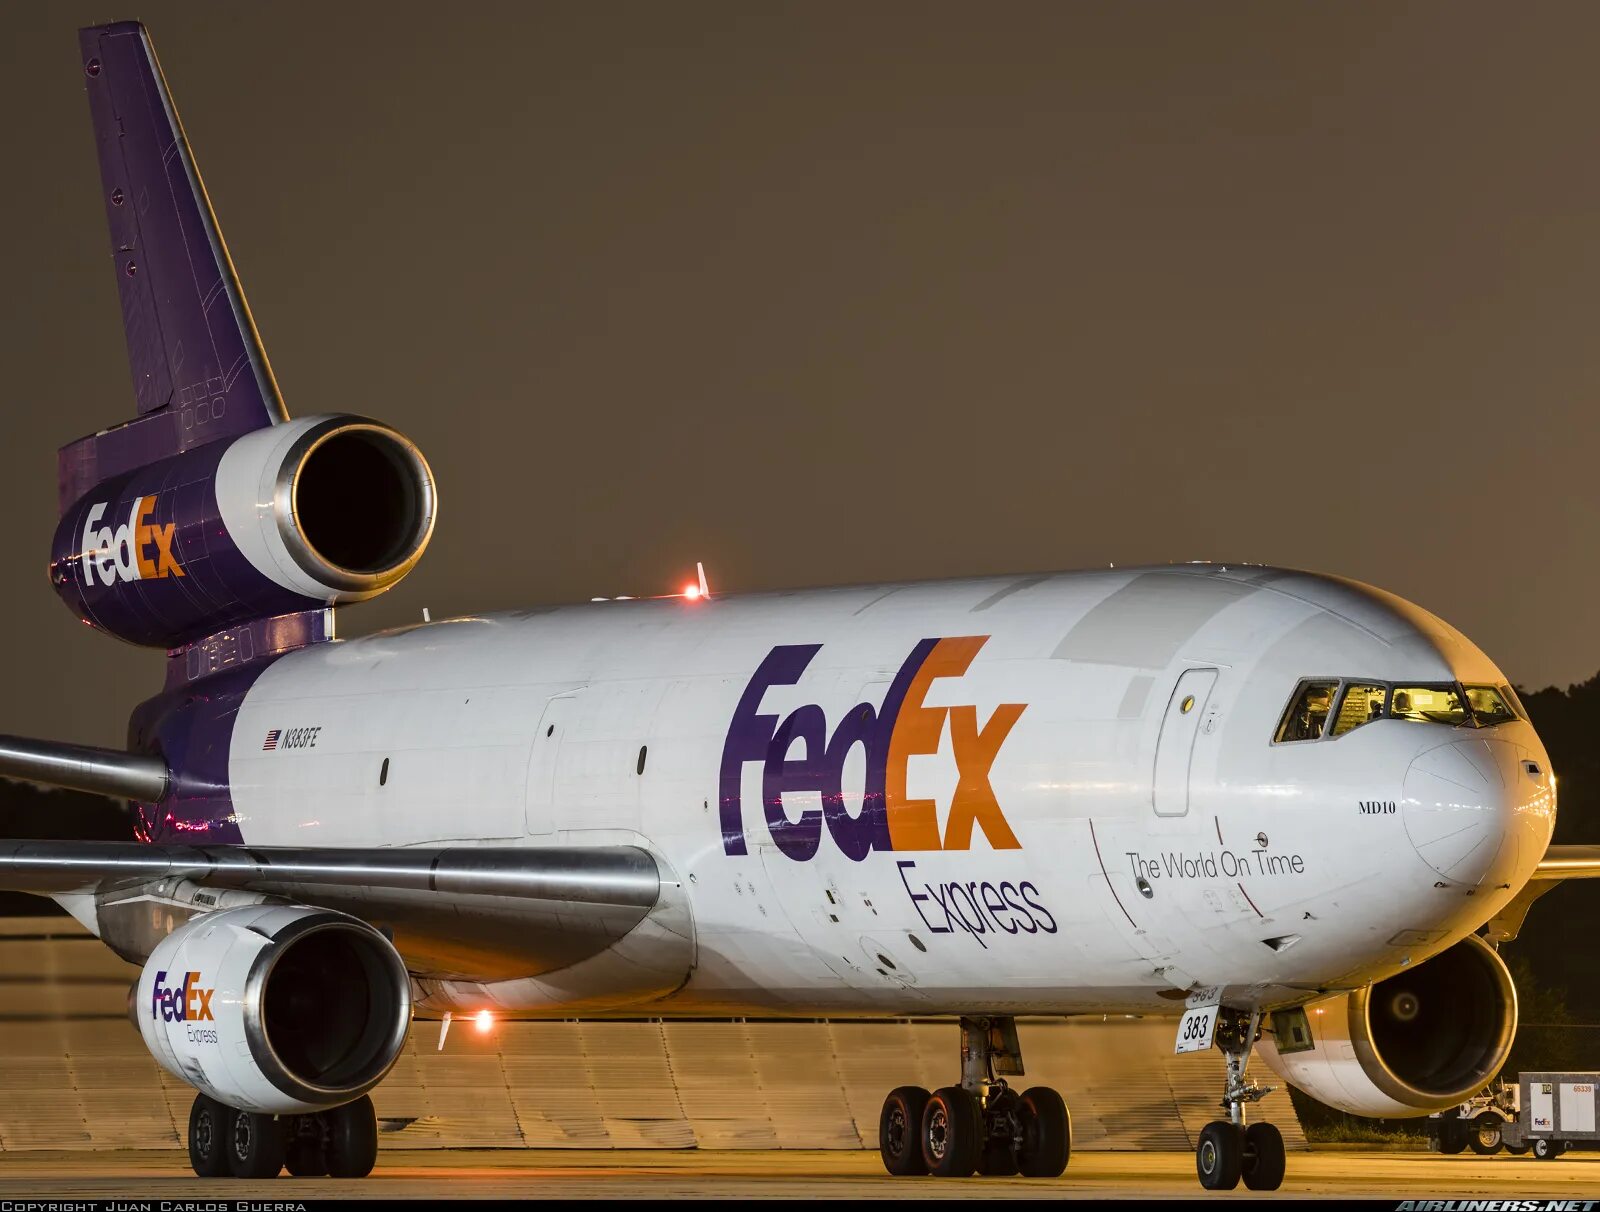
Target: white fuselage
[1077, 805]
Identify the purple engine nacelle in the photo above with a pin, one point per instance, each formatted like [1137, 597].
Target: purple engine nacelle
[308, 513]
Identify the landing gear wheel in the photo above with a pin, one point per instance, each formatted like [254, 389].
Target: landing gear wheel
[1263, 1157]
[1002, 1122]
[900, 1131]
[1546, 1149]
[1485, 1134]
[254, 1145]
[1219, 1159]
[1046, 1134]
[352, 1136]
[952, 1133]
[999, 1157]
[208, 1135]
[1452, 1136]
[306, 1155]
[305, 1159]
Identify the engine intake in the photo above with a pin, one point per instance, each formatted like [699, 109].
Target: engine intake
[353, 505]
[275, 1008]
[312, 512]
[1422, 1040]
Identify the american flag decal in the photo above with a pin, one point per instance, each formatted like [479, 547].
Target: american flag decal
[272, 739]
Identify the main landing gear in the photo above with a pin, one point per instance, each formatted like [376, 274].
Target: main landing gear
[1228, 1150]
[340, 1143]
[982, 1124]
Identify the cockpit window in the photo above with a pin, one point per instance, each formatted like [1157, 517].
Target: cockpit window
[1308, 711]
[1489, 706]
[1441, 704]
[1512, 701]
[1362, 703]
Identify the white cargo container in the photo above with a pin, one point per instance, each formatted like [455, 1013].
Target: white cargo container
[1557, 1113]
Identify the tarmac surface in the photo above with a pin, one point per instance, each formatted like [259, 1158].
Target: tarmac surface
[664, 1174]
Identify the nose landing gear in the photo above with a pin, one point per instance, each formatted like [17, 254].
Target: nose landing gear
[1228, 1149]
[981, 1125]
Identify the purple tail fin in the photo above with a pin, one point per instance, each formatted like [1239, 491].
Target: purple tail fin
[199, 372]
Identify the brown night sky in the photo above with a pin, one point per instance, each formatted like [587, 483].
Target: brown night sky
[836, 292]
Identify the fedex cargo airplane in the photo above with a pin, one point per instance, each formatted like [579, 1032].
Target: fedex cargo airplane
[1288, 810]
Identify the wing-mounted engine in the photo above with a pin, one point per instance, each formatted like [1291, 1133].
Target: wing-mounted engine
[1422, 1040]
[275, 1008]
[312, 512]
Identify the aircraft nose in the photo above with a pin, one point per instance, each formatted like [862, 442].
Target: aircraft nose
[1480, 811]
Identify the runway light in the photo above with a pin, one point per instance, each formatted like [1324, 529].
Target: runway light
[485, 1021]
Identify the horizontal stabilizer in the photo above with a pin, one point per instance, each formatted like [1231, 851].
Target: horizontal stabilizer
[110, 772]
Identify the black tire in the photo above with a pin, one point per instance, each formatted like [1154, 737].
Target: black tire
[254, 1145]
[1546, 1149]
[900, 1131]
[306, 1155]
[208, 1137]
[1219, 1157]
[352, 1136]
[1516, 1150]
[1484, 1134]
[1264, 1161]
[952, 1133]
[1046, 1134]
[998, 1158]
[1452, 1136]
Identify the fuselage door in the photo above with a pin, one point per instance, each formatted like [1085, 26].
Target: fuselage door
[542, 763]
[1175, 746]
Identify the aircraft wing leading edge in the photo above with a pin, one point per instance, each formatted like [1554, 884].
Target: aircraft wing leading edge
[1560, 863]
[458, 913]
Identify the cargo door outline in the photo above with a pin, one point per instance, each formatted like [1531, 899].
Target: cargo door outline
[1180, 729]
[543, 761]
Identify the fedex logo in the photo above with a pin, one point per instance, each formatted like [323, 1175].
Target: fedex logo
[186, 1002]
[135, 551]
[799, 754]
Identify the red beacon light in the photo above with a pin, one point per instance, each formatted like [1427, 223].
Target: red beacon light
[484, 1021]
[697, 589]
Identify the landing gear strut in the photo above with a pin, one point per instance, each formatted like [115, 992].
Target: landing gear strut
[1228, 1149]
[341, 1142]
[982, 1124]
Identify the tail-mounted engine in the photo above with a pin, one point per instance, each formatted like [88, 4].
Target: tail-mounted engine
[307, 513]
[275, 1008]
[1422, 1040]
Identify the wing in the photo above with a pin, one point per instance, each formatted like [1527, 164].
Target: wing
[463, 914]
[1569, 863]
[475, 914]
[1559, 863]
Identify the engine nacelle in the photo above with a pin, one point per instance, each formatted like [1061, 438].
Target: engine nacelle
[275, 1008]
[1420, 1041]
[312, 512]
